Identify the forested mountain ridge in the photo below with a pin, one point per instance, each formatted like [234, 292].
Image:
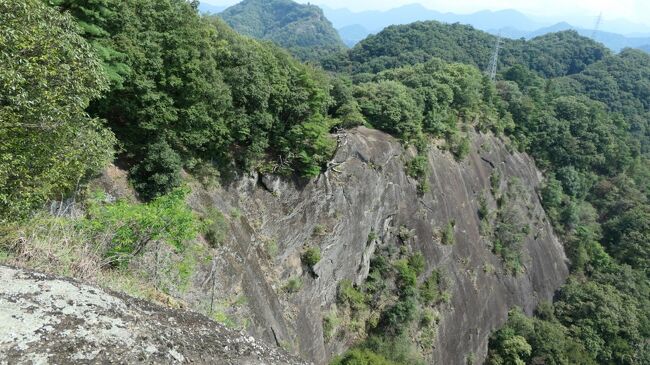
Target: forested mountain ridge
[551, 55]
[249, 190]
[302, 29]
[621, 83]
[204, 92]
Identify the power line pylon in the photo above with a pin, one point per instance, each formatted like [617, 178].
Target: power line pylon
[494, 62]
[597, 26]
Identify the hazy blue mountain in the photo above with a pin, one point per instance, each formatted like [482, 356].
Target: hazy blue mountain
[626, 27]
[509, 23]
[375, 21]
[615, 42]
[493, 19]
[509, 32]
[638, 35]
[551, 29]
[213, 9]
[353, 34]
[618, 26]
[355, 26]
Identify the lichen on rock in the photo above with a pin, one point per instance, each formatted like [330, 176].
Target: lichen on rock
[44, 319]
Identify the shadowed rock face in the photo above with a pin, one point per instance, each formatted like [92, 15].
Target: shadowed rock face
[366, 189]
[50, 320]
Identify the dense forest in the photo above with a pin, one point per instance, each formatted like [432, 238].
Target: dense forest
[158, 89]
[177, 90]
[301, 29]
[597, 196]
[551, 55]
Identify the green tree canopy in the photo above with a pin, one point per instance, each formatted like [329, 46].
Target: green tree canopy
[49, 75]
[391, 107]
[193, 93]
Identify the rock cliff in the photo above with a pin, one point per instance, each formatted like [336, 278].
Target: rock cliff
[254, 280]
[366, 189]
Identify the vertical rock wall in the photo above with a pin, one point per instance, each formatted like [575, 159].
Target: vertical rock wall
[366, 189]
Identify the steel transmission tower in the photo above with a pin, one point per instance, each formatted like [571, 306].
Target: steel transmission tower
[597, 26]
[494, 63]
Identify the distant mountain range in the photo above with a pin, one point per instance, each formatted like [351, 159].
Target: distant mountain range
[353, 34]
[375, 21]
[213, 9]
[356, 26]
[614, 41]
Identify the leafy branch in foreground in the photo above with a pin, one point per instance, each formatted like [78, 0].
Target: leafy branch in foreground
[49, 75]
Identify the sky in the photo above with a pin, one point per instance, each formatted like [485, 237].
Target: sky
[637, 11]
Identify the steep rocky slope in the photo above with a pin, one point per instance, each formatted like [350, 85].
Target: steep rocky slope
[364, 203]
[44, 319]
[367, 190]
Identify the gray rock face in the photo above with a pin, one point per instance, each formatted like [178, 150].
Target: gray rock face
[47, 320]
[367, 190]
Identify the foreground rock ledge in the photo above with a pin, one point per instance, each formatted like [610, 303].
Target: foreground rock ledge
[44, 319]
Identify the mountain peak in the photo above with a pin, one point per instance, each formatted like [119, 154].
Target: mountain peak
[301, 28]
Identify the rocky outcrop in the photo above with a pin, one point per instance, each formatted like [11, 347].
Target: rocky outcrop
[49, 320]
[364, 190]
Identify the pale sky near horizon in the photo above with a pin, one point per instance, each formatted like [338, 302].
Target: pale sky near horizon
[637, 11]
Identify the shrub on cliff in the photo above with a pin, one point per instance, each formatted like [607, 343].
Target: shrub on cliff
[128, 228]
[311, 257]
[349, 295]
[143, 249]
[361, 357]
